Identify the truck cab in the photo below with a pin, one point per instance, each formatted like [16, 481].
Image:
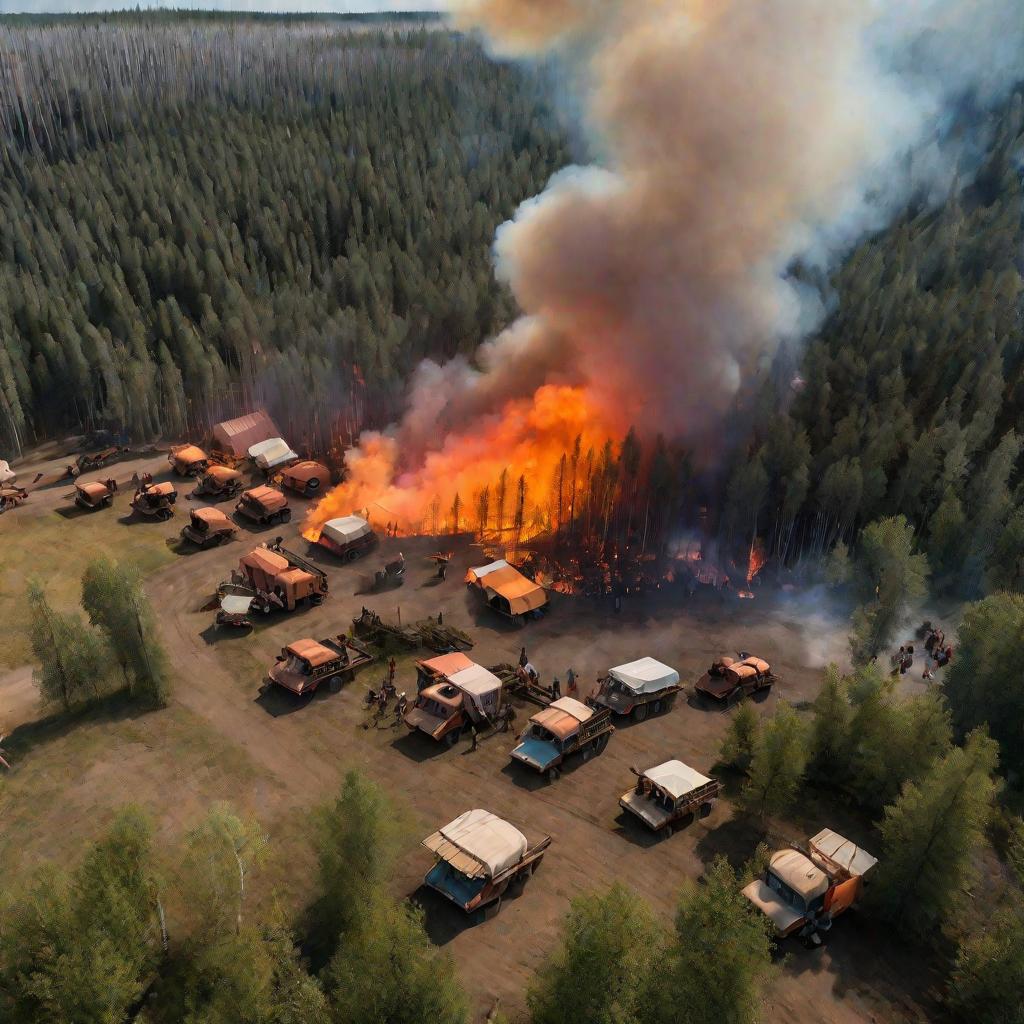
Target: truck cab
[188, 460]
[453, 692]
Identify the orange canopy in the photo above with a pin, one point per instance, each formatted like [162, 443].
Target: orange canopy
[188, 454]
[267, 497]
[316, 654]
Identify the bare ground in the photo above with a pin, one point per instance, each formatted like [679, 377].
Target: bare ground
[223, 737]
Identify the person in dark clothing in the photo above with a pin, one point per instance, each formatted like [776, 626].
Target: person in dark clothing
[522, 657]
[556, 689]
[508, 718]
[475, 736]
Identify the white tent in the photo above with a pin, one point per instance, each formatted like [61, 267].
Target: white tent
[346, 529]
[645, 675]
[486, 838]
[676, 778]
[272, 453]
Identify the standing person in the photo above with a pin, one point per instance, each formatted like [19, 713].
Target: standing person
[475, 735]
[508, 717]
[570, 682]
[523, 660]
[391, 671]
[556, 689]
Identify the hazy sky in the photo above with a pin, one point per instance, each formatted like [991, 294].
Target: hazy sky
[283, 6]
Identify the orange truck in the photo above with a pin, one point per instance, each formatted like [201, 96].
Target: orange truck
[188, 460]
[802, 893]
[304, 665]
[265, 506]
[728, 678]
[307, 478]
[277, 580]
[219, 482]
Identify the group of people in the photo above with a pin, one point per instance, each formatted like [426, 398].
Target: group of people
[391, 529]
[938, 654]
[528, 674]
[382, 697]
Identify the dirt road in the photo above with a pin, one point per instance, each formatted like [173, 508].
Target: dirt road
[301, 749]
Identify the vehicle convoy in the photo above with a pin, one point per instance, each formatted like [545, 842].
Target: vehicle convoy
[269, 578]
[565, 727]
[93, 494]
[348, 537]
[801, 893]
[219, 482]
[207, 527]
[188, 460]
[454, 693]
[155, 500]
[728, 678]
[669, 794]
[265, 506]
[508, 592]
[479, 855]
[304, 665]
[307, 478]
[12, 496]
[639, 688]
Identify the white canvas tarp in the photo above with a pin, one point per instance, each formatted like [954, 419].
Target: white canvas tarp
[346, 529]
[477, 574]
[843, 852]
[488, 839]
[676, 778]
[7, 475]
[235, 604]
[645, 675]
[272, 453]
[479, 685]
[574, 707]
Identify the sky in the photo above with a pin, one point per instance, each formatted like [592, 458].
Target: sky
[279, 6]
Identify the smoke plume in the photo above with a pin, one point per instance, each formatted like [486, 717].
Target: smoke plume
[737, 137]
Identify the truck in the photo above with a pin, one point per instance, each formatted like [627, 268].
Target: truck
[802, 892]
[93, 494]
[155, 500]
[95, 460]
[12, 496]
[670, 794]
[188, 460]
[207, 527]
[478, 857]
[727, 679]
[307, 478]
[564, 728]
[453, 693]
[304, 665]
[638, 688]
[219, 482]
[277, 578]
[264, 505]
[348, 537]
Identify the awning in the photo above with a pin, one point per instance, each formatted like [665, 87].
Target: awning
[645, 675]
[676, 779]
[521, 594]
[479, 844]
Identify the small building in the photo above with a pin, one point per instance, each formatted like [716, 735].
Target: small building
[237, 436]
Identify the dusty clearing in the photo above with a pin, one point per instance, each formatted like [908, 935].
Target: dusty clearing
[223, 738]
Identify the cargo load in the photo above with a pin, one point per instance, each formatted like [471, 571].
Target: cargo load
[638, 688]
[507, 591]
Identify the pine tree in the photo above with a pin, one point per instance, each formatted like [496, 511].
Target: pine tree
[741, 739]
[778, 764]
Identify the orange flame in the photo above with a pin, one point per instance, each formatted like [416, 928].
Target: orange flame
[527, 441]
[756, 559]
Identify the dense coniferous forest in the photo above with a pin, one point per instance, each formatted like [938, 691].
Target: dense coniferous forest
[203, 216]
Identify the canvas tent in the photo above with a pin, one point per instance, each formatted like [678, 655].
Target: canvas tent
[272, 453]
[237, 436]
[507, 589]
[645, 676]
[478, 844]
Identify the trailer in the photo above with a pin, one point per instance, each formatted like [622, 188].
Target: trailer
[638, 688]
[304, 665]
[508, 592]
[93, 494]
[728, 678]
[95, 460]
[265, 506]
[348, 537]
[670, 794]
[801, 892]
[564, 728]
[479, 856]
[452, 694]
[207, 527]
[372, 628]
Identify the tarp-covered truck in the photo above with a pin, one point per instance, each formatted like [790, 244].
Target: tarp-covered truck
[564, 727]
[638, 688]
[207, 527]
[219, 482]
[304, 665]
[306, 478]
[272, 454]
[670, 794]
[508, 592]
[728, 678]
[453, 693]
[93, 494]
[347, 537]
[188, 460]
[276, 579]
[479, 855]
[802, 893]
[264, 505]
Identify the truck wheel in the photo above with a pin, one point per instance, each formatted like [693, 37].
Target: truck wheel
[285, 516]
[165, 514]
[666, 832]
[705, 809]
[586, 753]
[335, 684]
[656, 709]
[602, 742]
[552, 774]
[351, 556]
[640, 712]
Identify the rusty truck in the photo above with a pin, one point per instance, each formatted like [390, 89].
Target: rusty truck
[188, 460]
[207, 527]
[305, 665]
[454, 693]
[479, 857]
[272, 578]
[93, 494]
[219, 482]
[307, 478]
[803, 891]
[264, 505]
[12, 496]
[155, 501]
[728, 678]
[348, 537]
[669, 795]
[566, 727]
[638, 688]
